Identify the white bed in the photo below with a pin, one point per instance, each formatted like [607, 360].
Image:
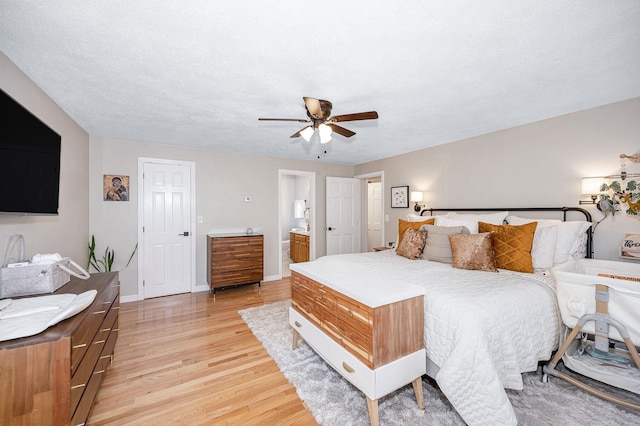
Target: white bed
[482, 329]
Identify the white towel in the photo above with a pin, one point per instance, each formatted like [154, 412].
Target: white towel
[32, 315]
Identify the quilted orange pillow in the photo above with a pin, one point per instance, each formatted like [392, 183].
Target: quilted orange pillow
[403, 225]
[512, 245]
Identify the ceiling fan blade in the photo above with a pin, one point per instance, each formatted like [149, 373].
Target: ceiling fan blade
[313, 106]
[370, 115]
[341, 130]
[299, 120]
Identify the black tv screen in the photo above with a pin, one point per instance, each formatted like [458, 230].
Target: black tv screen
[29, 162]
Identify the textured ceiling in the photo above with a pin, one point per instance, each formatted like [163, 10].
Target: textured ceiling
[200, 73]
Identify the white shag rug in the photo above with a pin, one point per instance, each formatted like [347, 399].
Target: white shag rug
[334, 401]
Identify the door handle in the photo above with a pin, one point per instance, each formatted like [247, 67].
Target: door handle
[329, 229]
[185, 234]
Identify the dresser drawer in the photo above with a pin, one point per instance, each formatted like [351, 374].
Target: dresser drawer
[306, 306]
[237, 245]
[86, 401]
[349, 308]
[81, 338]
[90, 360]
[220, 279]
[326, 298]
[359, 344]
[303, 285]
[333, 353]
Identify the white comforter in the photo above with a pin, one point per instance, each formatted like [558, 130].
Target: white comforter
[482, 329]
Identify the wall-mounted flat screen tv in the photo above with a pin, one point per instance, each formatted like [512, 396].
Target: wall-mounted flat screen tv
[29, 162]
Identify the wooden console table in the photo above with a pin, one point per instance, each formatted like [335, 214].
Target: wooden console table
[376, 345]
[52, 378]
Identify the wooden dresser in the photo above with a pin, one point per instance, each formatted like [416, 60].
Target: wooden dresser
[299, 247]
[52, 378]
[234, 259]
[378, 347]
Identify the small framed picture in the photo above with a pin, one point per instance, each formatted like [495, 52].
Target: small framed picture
[115, 188]
[399, 196]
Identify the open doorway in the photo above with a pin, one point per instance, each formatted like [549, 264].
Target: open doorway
[296, 196]
[372, 219]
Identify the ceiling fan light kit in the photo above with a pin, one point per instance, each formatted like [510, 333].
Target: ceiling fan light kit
[319, 113]
[306, 133]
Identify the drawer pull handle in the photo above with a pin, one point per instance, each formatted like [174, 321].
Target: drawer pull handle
[78, 386]
[98, 372]
[350, 312]
[106, 329]
[348, 367]
[105, 356]
[99, 342]
[298, 324]
[82, 345]
[116, 329]
[98, 312]
[321, 297]
[107, 302]
[116, 307]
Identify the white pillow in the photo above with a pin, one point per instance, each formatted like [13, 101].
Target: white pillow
[496, 218]
[416, 218]
[517, 220]
[569, 241]
[544, 246]
[445, 221]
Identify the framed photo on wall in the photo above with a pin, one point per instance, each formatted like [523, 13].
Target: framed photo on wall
[115, 188]
[399, 196]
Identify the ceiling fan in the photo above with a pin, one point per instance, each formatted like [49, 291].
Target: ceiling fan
[319, 113]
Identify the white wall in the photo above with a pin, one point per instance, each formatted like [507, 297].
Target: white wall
[68, 232]
[539, 164]
[223, 179]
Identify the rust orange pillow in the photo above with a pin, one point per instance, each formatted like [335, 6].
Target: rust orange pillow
[403, 225]
[512, 245]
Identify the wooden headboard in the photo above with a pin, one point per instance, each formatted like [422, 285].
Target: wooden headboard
[563, 210]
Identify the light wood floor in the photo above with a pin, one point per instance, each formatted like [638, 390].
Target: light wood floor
[188, 360]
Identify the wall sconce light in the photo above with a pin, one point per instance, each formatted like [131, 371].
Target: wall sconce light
[591, 187]
[416, 197]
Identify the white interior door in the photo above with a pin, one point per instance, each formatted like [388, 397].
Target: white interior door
[167, 228]
[374, 214]
[343, 213]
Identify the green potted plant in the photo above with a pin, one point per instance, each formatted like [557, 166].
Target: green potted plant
[105, 263]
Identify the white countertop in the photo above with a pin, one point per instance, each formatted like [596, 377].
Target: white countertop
[357, 282]
[301, 232]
